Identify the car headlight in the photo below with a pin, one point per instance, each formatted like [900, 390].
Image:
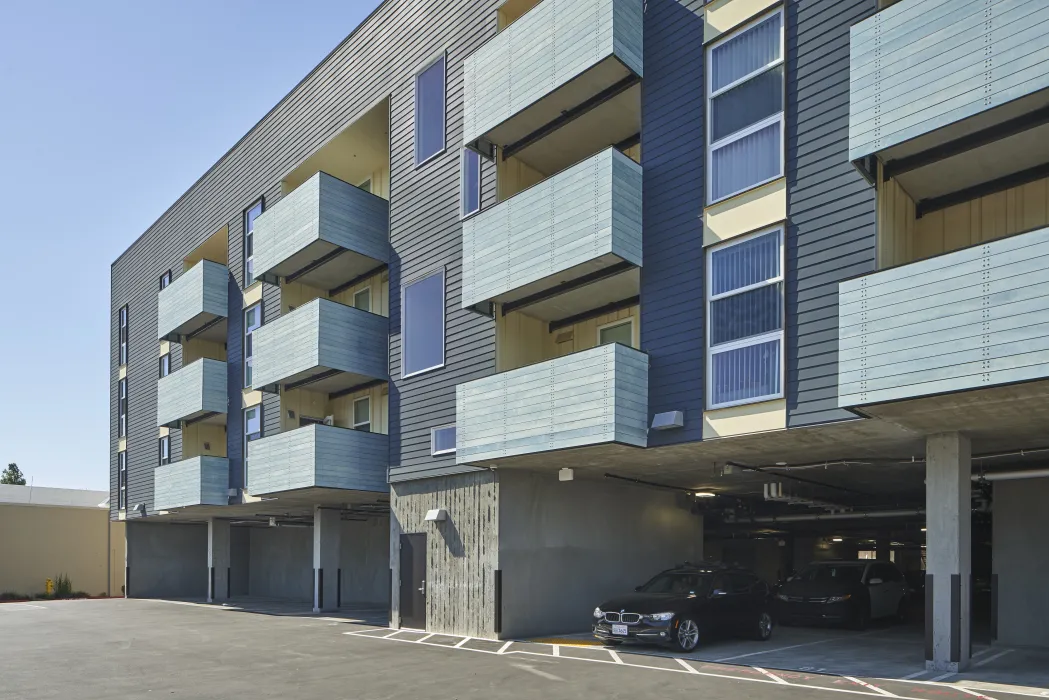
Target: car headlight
[598, 614]
[660, 617]
[780, 596]
[839, 598]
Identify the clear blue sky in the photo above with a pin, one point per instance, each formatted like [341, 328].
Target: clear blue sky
[109, 110]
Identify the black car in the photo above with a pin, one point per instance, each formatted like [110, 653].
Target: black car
[683, 606]
[842, 592]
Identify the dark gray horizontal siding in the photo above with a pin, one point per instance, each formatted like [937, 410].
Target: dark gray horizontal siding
[831, 230]
[672, 157]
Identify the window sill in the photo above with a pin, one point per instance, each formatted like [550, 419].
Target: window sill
[745, 402]
[417, 372]
[728, 198]
[442, 453]
[435, 156]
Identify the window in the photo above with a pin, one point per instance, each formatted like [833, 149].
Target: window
[122, 480]
[617, 332]
[165, 365]
[165, 449]
[249, 242]
[252, 431]
[362, 414]
[122, 407]
[165, 279]
[429, 111]
[442, 440]
[363, 299]
[745, 108]
[422, 324]
[123, 335]
[470, 177]
[366, 186]
[745, 320]
[252, 321]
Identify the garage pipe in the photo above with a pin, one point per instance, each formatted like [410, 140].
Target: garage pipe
[833, 516]
[1012, 476]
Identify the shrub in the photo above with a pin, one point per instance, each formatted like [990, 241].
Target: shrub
[79, 594]
[63, 586]
[8, 595]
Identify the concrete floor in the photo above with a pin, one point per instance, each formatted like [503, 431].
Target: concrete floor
[363, 613]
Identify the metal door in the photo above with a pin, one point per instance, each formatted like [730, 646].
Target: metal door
[413, 581]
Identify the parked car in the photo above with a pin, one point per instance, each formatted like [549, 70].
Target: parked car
[683, 606]
[842, 592]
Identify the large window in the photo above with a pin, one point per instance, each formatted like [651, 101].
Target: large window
[429, 111]
[249, 242]
[123, 335]
[470, 182]
[621, 332]
[122, 479]
[745, 110]
[252, 431]
[165, 449]
[252, 321]
[122, 407]
[745, 320]
[422, 324]
[362, 299]
[362, 414]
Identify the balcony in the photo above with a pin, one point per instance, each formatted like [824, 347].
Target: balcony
[566, 245]
[324, 234]
[972, 319]
[318, 456]
[197, 392]
[196, 304]
[323, 344]
[594, 397]
[951, 96]
[558, 80]
[201, 481]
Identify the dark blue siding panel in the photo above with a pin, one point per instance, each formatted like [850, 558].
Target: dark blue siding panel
[672, 156]
[831, 229]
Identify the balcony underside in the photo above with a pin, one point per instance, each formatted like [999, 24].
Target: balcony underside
[322, 379]
[569, 293]
[203, 326]
[287, 504]
[322, 265]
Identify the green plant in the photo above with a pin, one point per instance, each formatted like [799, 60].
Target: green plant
[8, 595]
[79, 594]
[12, 475]
[63, 586]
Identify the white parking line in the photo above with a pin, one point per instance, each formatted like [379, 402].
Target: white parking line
[914, 675]
[615, 656]
[15, 607]
[502, 649]
[989, 659]
[424, 638]
[974, 693]
[464, 641]
[865, 684]
[792, 646]
[687, 666]
[940, 678]
[773, 676]
[387, 636]
[557, 649]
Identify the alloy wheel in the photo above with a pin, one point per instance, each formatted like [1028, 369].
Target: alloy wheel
[688, 635]
[765, 626]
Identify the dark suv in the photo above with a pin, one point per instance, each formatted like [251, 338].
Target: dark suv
[681, 607]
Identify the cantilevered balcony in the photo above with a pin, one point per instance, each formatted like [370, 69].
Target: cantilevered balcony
[196, 392]
[195, 305]
[566, 245]
[200, 481]
[318, 456]
[560, 79]
[590, 398]
[324, 346]
[951, 96]
[324, 234]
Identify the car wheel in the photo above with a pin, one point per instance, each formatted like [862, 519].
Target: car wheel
[763, 627]
[687, 637]
[862, 617]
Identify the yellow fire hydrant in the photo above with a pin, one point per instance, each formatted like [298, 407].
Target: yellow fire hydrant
[49, 586]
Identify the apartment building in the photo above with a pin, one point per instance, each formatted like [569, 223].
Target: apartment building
[510, 304]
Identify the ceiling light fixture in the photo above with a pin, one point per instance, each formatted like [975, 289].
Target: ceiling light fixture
[704, 494]
[837, 539]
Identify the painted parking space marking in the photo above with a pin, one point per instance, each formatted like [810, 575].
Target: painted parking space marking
[914, 675]
[687, 665]
[792, 646]
[20, 607]
[771, 675]
[865, 684]
[615, 657]
[989, 659]
[464, 641]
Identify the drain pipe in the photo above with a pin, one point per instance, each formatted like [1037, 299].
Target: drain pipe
[1012, 476]
[833, 516]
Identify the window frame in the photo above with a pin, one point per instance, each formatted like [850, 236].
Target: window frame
[122, 407]
[165, 280]
[249, 359]
[444, 320]
[353, 414]
[430, 63]
[246, 436]
[261, 204]
[164, 443]
[621, 322]
[160, 369]
[122, 480]
[463, 214]
[123, 324]
[434, 452]
[780, 335]
[780, 117]
[367, 289]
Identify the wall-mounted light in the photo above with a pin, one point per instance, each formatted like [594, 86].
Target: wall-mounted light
[437, 515]
[704, 494]
[565, 474]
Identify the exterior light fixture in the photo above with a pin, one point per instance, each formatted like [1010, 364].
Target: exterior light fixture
[704, 494]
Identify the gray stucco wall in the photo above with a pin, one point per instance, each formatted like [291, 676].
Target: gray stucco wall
[239, 560]
[1021, 561]
[281, 563]
[564, 547]
[167, 560]
[366, 562]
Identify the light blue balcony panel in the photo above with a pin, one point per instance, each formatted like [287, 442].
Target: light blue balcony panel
[589, 398]
[200, 481]
[971, 319]
[195, 392]
[323, 345]
[195, 304]
[318, 456]
[581, 224]
[324, 233]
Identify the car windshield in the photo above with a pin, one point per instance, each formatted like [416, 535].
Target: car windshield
[842, 574]
[679, 583]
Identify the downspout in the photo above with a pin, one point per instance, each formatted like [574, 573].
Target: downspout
[1013, 475]
[832, 516]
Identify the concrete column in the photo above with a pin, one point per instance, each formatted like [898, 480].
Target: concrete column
[948, 552]
[327, 539]
[883, 546]
[218, 560]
